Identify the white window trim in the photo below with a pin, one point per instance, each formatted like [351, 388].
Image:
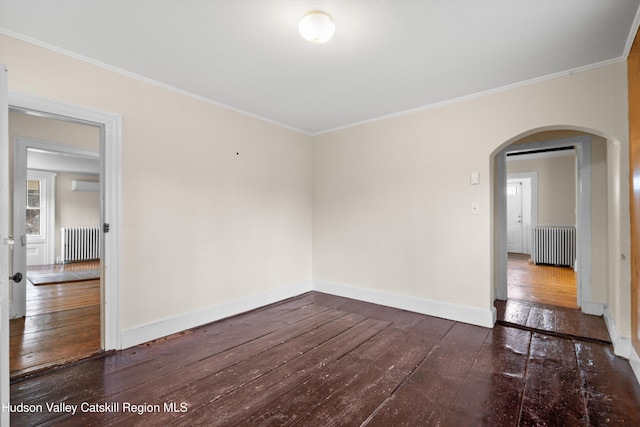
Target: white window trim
[48, 205]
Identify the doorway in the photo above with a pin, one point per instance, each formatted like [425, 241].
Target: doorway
[582, 183]
[110, 148]
[546, 277]
[55, 313]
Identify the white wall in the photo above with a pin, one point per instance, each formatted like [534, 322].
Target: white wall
[75, 208]
[388, 202]
[556, 186]
[216, 206]
[392, 198]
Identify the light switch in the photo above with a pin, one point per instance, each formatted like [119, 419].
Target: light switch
[475, 208]
[475, 178]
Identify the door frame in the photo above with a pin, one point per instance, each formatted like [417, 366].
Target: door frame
[519, 188]
[529, 182]
[110, 171]
[582, 145]
[4, 245]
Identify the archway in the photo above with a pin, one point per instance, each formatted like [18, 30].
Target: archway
[600, 234]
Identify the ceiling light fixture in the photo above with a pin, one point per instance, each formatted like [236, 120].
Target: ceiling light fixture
[317, 27]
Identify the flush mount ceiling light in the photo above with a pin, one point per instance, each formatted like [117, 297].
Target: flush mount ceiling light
[317, 27]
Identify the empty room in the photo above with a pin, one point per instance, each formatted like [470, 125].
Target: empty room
[305, 211]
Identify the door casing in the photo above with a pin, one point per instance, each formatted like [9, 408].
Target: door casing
[110, 169]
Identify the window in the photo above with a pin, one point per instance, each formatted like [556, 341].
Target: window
[33, 207]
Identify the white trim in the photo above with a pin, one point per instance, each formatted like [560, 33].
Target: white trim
[593, 308]
[110, 169]
[459, 313]
[634, 361]
[632, 35]
[535, 80]
[49, 205]
[129, 74]
[583, 223]
[4, 247]
[622, 345]
[174, 324]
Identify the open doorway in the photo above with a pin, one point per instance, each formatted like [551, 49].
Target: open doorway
[56, 310]
[596, 194]
[541, 226]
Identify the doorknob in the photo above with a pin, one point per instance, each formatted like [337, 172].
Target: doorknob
[16, 277]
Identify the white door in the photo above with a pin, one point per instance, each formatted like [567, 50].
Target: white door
[4, 245]
[514, 217]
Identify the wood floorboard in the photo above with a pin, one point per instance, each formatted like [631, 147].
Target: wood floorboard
[371, 370]
[178, 349]
[604, 394]
[444, 369]
[556, 320]
[372, 389]
[500, 369]
[51, 321]
[231, 340]
[330, 361]
[543, 284]
[62, 322]
[554, 379]
[266, 384]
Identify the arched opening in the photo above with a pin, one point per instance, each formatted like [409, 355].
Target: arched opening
[597, 195]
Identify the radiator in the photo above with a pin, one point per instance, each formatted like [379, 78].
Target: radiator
[80, 244]
[554, 246]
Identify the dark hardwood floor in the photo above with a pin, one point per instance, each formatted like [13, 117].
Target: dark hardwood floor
[62, 323]
[559, 321]
[320, 360]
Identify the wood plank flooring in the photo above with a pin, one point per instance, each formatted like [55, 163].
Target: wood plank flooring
[320, 360]
[542, 284]
[62, 322]
[559, 321]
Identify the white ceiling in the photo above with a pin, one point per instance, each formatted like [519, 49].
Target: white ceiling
[387, 56]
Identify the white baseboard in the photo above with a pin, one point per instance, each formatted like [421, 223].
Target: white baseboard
[622, 345]
[171, 325]
[594, 308]
[460, 313]
[634, 361]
